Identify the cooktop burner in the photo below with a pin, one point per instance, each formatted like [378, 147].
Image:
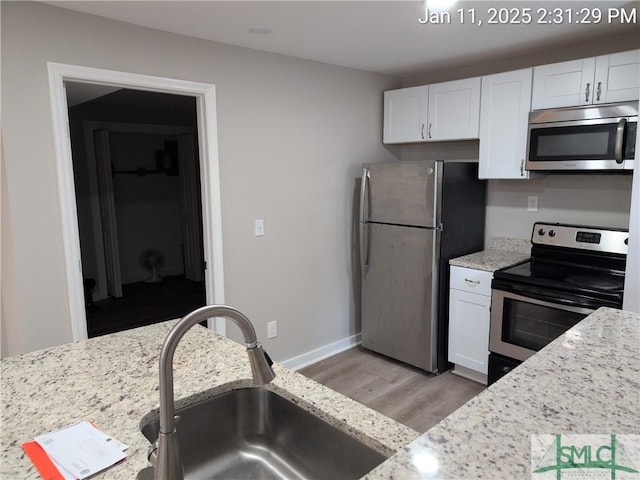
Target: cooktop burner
[565, 278]
[597, 282]
[585, 262]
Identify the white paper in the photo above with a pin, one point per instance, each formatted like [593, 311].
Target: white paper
[81, 450]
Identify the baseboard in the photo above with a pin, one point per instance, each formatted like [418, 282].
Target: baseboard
[301, 361]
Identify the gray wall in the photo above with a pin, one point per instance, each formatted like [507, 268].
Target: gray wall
[598, 200]
[292, 135]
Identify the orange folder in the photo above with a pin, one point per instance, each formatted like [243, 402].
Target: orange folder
[42, 462]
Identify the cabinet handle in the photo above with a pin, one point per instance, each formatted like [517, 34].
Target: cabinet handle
[506, 369]
[473, 282]
[429, 130]
[522, 167]
[587, 92]
[422, 131]
[598, 91]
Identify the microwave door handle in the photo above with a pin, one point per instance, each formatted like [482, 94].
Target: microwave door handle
[620, 130]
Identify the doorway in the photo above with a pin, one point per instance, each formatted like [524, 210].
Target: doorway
[206, 145]
[139, 210]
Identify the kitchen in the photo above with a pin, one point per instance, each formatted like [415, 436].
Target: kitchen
[259, 275]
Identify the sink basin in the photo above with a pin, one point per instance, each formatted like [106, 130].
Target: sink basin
[253, 433]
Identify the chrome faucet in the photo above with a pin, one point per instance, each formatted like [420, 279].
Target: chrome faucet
[166, 459]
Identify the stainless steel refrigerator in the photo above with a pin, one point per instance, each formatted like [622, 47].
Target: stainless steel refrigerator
[415, 217]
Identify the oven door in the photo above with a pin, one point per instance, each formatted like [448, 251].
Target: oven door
[522, 325]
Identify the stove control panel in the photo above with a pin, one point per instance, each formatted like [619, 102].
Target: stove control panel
[598, 239]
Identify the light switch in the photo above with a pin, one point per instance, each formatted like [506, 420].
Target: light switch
[259, 228]
[532, 203]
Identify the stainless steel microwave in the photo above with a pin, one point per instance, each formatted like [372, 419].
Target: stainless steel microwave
[595, 138]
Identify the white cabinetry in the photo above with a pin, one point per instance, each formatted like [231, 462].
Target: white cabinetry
[469, 306]
[454, 110]
[617, 77]
[504, 119]
[442, 111]
[405, 115]
[603, 79]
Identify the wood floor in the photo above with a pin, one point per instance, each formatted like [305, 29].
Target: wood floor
[407, 395]
[145, 303]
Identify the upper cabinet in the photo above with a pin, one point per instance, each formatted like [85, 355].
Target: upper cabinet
[454, 110]
[443, 111]
[405, 115]
[603, 79]
[617, 77]
[504, 119]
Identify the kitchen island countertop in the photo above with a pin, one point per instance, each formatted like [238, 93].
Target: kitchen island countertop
[587, 381]
[112, 381]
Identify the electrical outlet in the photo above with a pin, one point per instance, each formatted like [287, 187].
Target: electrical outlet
[259, 228]
[532, 203]
[272, 329]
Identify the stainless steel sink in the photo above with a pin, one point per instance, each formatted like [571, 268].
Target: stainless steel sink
[253, 433]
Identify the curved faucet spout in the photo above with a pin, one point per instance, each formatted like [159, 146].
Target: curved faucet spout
[168, 463]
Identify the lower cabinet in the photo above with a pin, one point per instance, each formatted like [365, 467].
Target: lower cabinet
[469, 310]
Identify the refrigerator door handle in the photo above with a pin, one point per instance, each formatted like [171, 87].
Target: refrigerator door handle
[364, 248]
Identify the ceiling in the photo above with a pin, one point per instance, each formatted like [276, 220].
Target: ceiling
[378, 36]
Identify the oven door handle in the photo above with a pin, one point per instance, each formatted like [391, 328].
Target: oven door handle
[559, 303]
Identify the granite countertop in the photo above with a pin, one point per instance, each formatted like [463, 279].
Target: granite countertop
[112, 381]
[587, 381]
[502, 252]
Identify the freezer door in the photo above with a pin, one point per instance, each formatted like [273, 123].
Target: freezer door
[401, 193]
[399, 294]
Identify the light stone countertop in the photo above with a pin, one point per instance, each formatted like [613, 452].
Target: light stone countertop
[587, 381]
[112, 381]
[502, 252]
[489, 260]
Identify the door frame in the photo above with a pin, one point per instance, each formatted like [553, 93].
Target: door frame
[204, 94]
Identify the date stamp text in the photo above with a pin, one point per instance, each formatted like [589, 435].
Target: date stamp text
[532, 15]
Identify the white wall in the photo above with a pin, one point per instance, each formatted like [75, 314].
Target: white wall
[292, 135]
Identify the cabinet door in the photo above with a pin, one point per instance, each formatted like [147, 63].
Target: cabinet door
[563, 84]
[454, 110]
[405, 115]
[469, 330]
[617, 77]
[504, 118]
